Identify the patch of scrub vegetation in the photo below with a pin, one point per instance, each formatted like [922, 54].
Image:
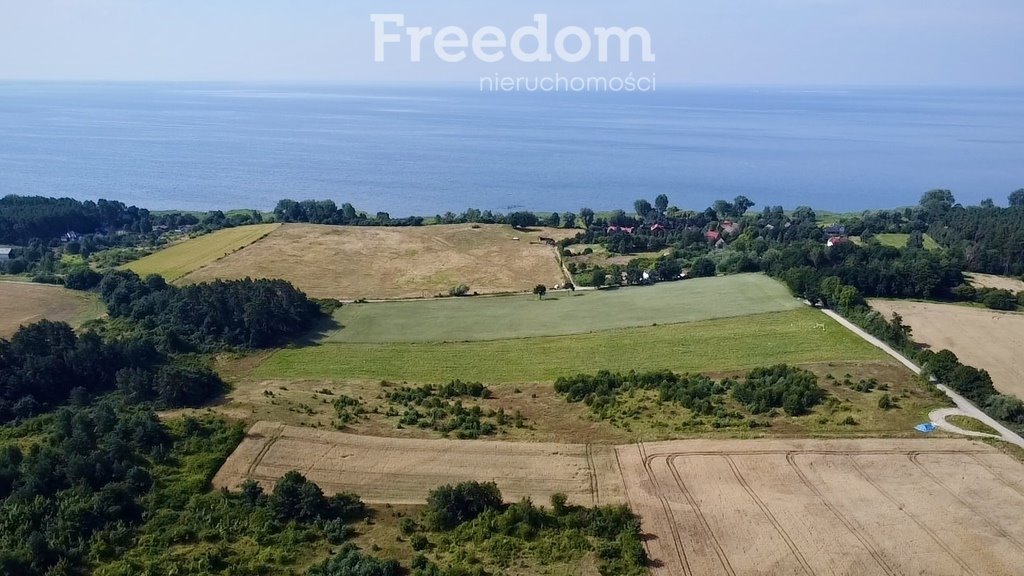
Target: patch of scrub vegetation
[971, 425]
[441, 409]
[763, 391]
[776, 401]
[465, 529]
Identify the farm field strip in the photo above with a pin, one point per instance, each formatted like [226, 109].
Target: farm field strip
[982, 338]
[24, 303]
[816, 507]
[799, 336]
[383, 470]
[179, 260]
[348, 263]
[509, 317]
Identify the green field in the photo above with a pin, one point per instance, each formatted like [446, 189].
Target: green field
[180, 259]
[900, 241]
[508, 317]
[794, 336]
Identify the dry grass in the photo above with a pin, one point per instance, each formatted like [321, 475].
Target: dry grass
[998, 282]
[947, 507]
[23, 303]
[180, 259]
[387, 263]
[981, 338]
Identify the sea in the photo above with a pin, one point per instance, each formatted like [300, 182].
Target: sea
[424, 150]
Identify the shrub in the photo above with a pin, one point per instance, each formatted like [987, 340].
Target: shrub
[793, 389]
[450, 506]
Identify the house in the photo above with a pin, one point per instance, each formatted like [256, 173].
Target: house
[712, 236]
[627, 230]
[730, 227]
[835, 230]
[70, 236]
[836, 241]
[720, 245]
[6, 254]
[657, 228]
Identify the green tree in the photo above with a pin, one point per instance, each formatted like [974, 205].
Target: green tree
[568, 220]
[450, 506]
[540, 290]
[554, 220]
[643, 208]
[1017, 199]
[587, 216]
[661, 203]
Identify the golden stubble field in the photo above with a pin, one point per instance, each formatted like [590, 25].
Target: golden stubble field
[981, 338]
[24, 304]
[997, 282]
[708, 507]
[389, 263]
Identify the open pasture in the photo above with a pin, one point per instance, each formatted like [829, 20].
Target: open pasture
[981, 338]
[350, 263]
[523, 316]
[185, 257]
[867, 507]
[22, 303]
[799, 336]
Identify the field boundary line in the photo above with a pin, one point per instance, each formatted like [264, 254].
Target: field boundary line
[769, 515]
[913, 458]
[271, 440]
[595, 491]
[849, 524]
[920, 524]
[219, 258]
[670, 461]
[667, 509]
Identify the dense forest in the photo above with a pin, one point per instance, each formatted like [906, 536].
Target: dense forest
[210, 316]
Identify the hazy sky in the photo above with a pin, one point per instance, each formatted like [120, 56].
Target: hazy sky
[752, 42]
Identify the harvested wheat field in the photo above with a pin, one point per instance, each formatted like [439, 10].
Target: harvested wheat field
[23, 303]
[771, 507]
[997, 282]
[937, 507]
[981, 338]
[387, 263]
[402, 471]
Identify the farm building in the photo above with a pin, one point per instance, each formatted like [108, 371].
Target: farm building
[6, 253]
[837, 240]
[730, 227]
[712, 236]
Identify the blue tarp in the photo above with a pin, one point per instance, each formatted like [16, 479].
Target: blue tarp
[925, 428]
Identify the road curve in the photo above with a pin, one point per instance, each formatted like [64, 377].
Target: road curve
[965, 407]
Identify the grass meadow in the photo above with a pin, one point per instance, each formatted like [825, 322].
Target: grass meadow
[796, 336]
[562, 313]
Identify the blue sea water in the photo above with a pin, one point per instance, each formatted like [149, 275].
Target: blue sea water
[424, 150]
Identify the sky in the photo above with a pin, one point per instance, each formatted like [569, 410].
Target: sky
[953, 43]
